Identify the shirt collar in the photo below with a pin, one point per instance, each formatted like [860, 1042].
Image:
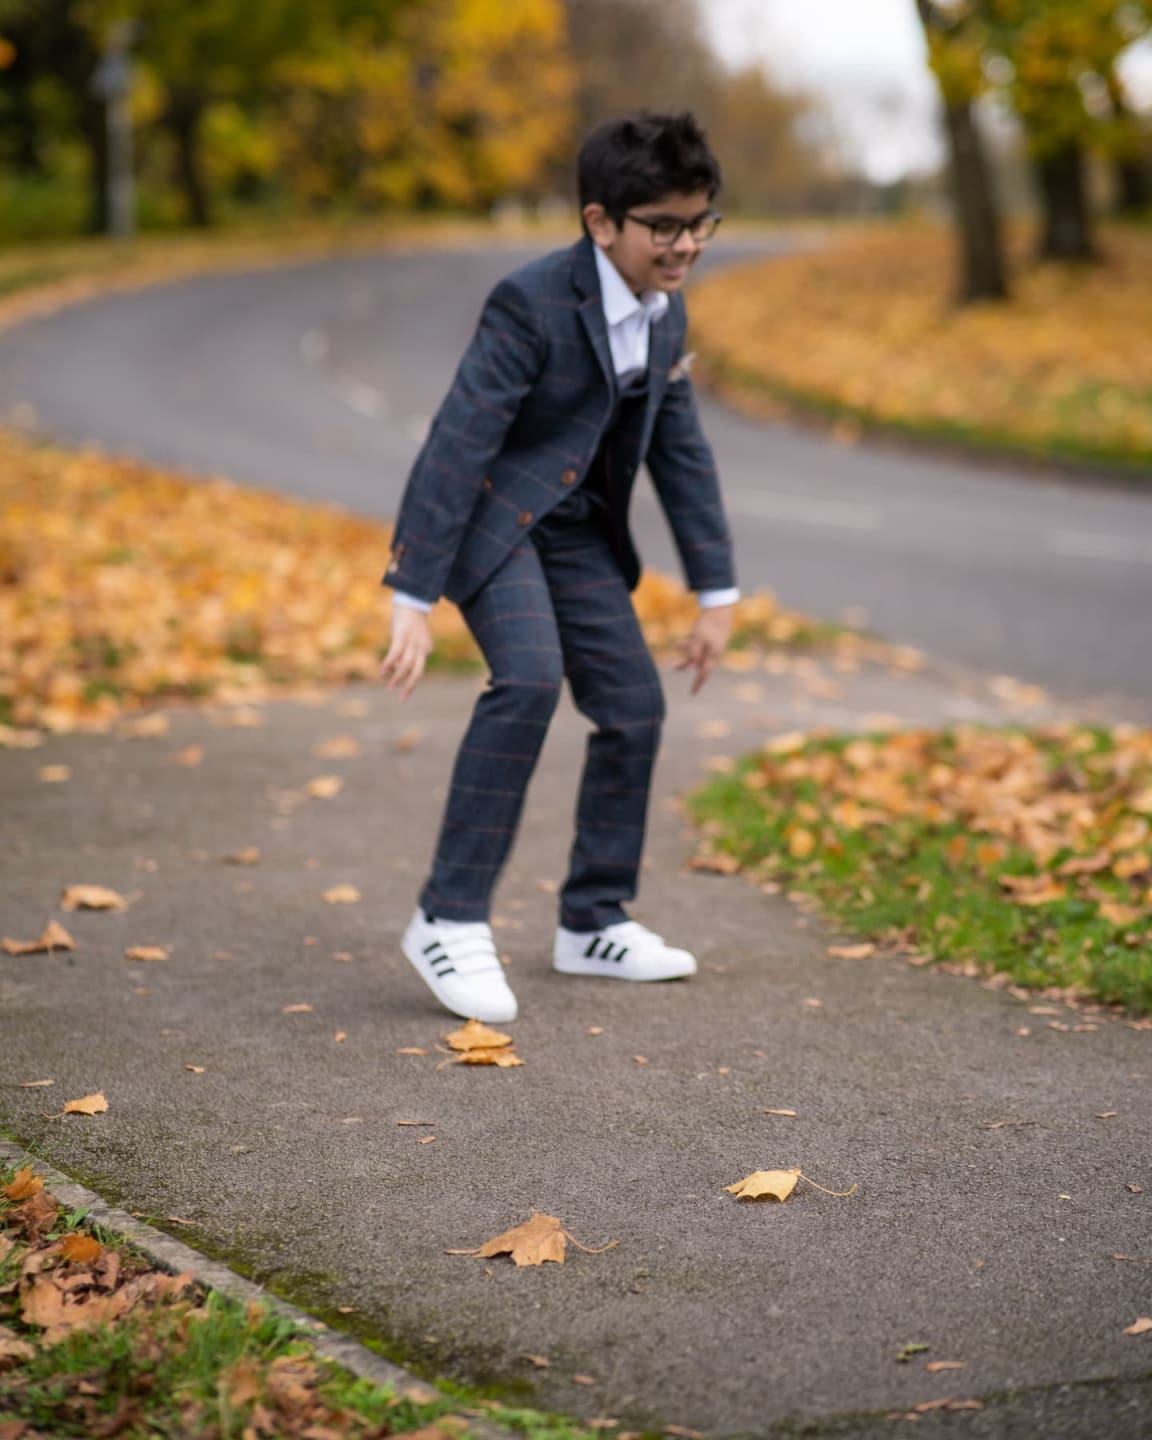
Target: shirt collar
[619, 301]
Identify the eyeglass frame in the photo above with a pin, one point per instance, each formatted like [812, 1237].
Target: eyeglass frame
[651, 224]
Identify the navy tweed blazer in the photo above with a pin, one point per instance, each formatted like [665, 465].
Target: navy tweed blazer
[530, 403]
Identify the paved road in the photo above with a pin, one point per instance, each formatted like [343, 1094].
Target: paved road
[318, 380]
[992, 1199]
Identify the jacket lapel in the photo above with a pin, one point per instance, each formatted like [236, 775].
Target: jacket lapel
[586, 283]
[660, 343]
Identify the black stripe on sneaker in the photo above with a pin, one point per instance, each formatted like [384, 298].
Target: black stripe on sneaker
[622, 954]
[591, 950]
[429, 948]
[606, 953]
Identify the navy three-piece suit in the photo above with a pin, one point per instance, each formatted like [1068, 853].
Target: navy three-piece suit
[517, 510]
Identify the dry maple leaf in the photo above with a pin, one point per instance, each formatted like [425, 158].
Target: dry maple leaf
[13, 1348]
[791, 1114]
[52, 937]
[81, 1249]
[54, 774]
[777, 1185]
[301, 1009]
[147, 952]
[505, 1058]
[933, 1366]
[91, 897]
[765, 1185]
[475, 1036]
[852, 952]
[1139, 1327]
[342, 895]
[537, 1240]
[324, 787]
[87, 1105]
[250, 855]
[23, 1185]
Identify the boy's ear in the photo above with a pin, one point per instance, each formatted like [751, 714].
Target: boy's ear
[601, 228]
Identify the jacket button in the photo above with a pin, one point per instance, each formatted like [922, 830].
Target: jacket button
[569, 477]
[487, 483]
[525, 517]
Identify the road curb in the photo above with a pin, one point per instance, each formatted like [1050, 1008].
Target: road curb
[175, 1257]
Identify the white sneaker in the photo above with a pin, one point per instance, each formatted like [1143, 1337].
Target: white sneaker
[458, 962]
[626, 951]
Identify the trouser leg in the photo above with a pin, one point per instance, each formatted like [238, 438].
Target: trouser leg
[616, 684]
[513, 622]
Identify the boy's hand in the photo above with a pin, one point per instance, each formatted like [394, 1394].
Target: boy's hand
[411, 645]
[707, 642]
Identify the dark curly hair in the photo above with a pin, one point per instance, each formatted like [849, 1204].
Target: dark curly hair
[643, 156]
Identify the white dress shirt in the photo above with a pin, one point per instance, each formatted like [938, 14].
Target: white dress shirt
[629, 319]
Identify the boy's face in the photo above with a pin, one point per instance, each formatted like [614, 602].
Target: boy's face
[632, 245]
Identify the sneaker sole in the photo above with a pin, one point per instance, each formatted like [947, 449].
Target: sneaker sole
[583, 967]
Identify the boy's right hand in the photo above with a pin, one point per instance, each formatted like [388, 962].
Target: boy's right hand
[411, 645]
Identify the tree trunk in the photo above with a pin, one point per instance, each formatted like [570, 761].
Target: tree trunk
[982, 270]
[1066, 230]
[182, 117]
[983, 274]
[1133, 178]
[94, 125]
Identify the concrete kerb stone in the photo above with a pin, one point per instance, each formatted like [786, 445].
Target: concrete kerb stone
[176, 1258]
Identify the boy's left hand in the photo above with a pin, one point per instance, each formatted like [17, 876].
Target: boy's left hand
[707, 642]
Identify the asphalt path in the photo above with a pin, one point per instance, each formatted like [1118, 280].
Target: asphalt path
[319, 380]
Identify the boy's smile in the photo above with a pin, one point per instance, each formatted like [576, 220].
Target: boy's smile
[632, 244]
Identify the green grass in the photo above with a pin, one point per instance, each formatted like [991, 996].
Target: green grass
[927, 885]
[162, 1367]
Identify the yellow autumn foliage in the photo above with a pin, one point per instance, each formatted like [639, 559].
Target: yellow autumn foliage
[121, 584]
[863, 328]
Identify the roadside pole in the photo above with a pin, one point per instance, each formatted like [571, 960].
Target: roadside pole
[112, 83]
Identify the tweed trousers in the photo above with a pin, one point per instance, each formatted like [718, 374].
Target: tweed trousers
[559, 608]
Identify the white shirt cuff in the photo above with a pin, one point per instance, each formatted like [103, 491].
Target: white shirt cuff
[708, 599]
[400, 598]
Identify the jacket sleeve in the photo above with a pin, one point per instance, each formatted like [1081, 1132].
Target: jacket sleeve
[498, 369]
[683, 470]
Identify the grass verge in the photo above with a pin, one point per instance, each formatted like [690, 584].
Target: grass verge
[122, 585]
[1027, 853]
[863, 334]
[94, 1341]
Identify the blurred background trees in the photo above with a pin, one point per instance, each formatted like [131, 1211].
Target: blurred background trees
[353, 106]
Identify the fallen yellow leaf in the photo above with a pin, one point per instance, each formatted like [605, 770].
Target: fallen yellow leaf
[147, 952]
[342, 895]
[91, 897]
[1139, 1327]
[81, 1249]
[23, 1185]
[250, 855]
[324, 787]
[504, 1057]
[87, 1105]
[765, 1185]
[538, 1240]
[301, 1009]
[475, 1036]
[54, 774]
[52, 937]
[852, 952]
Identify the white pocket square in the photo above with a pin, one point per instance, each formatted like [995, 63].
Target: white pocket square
[683, 366]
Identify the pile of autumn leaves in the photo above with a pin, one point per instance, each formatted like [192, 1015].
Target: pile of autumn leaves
[59, 1286]
[864, 328]
[970, 843]
[121, 585]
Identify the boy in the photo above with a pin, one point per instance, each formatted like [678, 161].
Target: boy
[517, 510]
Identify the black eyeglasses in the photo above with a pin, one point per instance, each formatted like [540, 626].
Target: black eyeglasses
[667, 229]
